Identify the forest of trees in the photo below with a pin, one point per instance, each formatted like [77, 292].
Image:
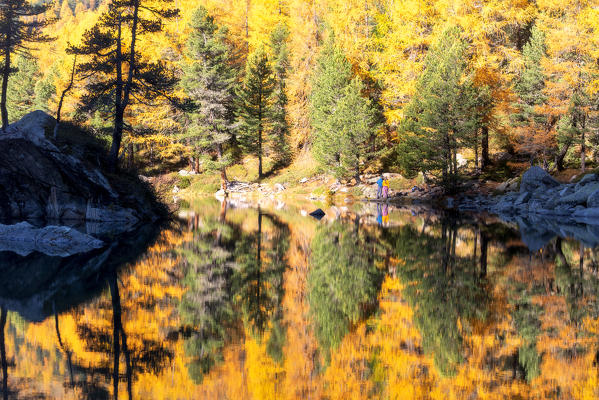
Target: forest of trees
[363, 86]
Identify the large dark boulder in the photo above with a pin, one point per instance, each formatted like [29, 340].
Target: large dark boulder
[536, 178]
[39, 179]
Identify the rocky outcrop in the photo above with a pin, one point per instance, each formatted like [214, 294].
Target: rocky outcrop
[39, 179]
[542, 195]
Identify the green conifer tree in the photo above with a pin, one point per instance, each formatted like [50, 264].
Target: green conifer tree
[333, 73]
[21, 25]
[443, 116]
[530, 87]
[209, 82]
[279, 131]
[21, 96]
[116, 73]
[343, 121]
[255, 109]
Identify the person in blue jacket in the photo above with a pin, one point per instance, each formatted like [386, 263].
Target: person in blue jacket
[379, 191]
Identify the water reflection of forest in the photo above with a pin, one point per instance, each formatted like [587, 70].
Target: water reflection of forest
[261, 304]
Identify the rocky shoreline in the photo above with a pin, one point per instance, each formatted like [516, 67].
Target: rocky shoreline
[539, 194]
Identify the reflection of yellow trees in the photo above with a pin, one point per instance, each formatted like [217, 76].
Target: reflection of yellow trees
[147, 290]
[380, 358]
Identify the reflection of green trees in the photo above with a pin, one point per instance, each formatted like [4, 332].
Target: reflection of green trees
[526, 317]
[442, 288]
[258, 283]
[206, 309]
[231, 273]
[343, 281]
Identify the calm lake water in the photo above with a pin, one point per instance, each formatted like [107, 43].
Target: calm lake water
[233, 303]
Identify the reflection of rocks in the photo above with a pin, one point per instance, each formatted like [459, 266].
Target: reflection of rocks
[24, 239]
[36, 284]
[543, 208]
[537, 231]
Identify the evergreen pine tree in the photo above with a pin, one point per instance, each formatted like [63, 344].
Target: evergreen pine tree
[343, 120]
[21, 96]
[209, 81]
[442, 116]
[333, 73]
[530, 125]
[280, 129]
[115, 72]
[20, 26]
[255, 109]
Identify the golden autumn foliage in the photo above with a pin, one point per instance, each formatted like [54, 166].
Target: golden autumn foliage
[386, 42]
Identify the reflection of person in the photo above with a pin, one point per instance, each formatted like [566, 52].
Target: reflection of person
[379, 190]
[379, 214]
[385, 216]
[385, 188]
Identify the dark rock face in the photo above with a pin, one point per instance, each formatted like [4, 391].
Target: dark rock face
[535, 178]
[39, 181]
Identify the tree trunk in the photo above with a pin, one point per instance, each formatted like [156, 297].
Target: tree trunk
[5, 76]
[476, 161]
[583, 149]
[117, 130]
[62, 96]
[3, 354]
[123, 90]
[484, 243]
[224, 181]
[260, 151]
[119, 338]
[117, 137]
[131, 155]
[484, 148]
[559, 158]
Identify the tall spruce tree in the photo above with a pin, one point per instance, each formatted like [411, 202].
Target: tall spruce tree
[209, 82]
[343, 121]
[21, 94]
[533, 137]
[279, 131]
[442, 116]
[20, 27]
[115, 71]
[255, 109]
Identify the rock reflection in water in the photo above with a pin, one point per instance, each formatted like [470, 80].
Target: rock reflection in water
[261, 303]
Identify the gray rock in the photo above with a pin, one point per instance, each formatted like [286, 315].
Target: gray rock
[580, 196]
[523, 198]
[586, 180]
[593, 200]
[513, 185]
[587, 213]
[535, 178]
[502, 187]
[303, 180]
[59, 241]
[566, 190]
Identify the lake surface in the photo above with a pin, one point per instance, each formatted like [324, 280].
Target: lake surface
[243, 303]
